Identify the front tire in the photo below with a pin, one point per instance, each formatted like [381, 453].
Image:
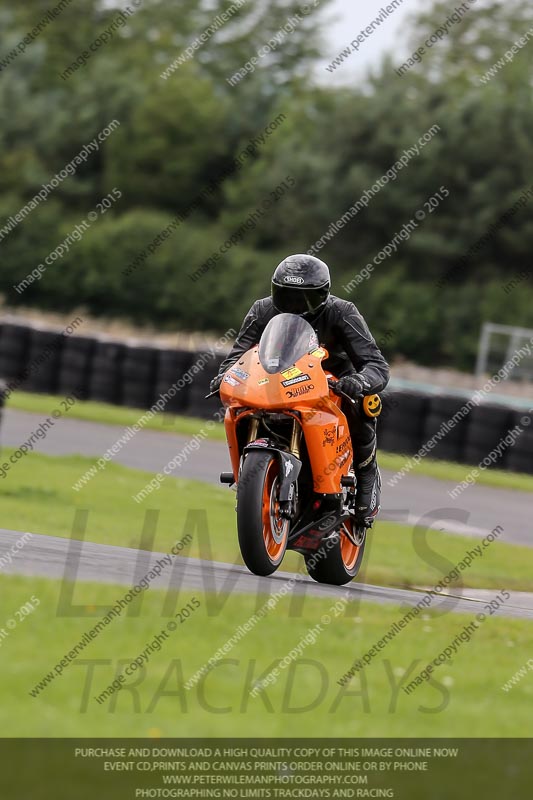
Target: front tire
[263, 533]
[338, 560]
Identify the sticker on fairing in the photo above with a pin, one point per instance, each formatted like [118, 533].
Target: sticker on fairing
[263, 381]
[329, 436]
[293, 372]
[300, 390]
[240, 373]
[299, 379]
[231, 381]
[319, 352]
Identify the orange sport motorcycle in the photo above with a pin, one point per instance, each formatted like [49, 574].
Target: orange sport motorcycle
[291, 456]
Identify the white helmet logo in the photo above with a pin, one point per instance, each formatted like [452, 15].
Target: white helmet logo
[297, 279]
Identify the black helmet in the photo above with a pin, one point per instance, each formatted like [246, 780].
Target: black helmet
[300, 285]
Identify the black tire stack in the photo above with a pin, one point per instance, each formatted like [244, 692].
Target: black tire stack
[198, 406]
[402, 422]
[172, 366]
[75, 367]
[487, 426]
[3, 392]
[519, 457]
[447, 436]
[105, 383]
[43, 364]
[139, 376]
[14, 351]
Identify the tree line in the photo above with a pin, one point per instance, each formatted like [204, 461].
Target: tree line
[235, 177]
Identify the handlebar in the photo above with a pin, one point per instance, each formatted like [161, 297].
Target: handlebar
[333, 386]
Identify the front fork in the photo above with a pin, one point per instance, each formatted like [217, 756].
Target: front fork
[296, 438]
[287, 488]
[254, 429]
[296, 435]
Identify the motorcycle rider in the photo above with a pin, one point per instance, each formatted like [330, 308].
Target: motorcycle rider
[301, 285]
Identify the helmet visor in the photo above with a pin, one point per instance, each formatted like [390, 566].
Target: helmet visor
[290, 300]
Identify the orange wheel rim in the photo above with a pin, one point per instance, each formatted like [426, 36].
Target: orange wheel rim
[349, 550]
[275, 527]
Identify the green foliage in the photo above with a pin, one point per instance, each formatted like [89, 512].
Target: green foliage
[176, 148]
[174, 140]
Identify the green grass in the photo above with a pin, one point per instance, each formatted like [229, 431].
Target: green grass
[187, 426]
[37, 496]
[107, 414]
[464, 699]
[449, 471]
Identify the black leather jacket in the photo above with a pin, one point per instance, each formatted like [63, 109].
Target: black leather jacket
[340, 328]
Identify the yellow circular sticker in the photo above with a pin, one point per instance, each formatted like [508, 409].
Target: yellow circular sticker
[372, 405]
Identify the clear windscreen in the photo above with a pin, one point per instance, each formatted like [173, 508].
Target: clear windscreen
[285, 339]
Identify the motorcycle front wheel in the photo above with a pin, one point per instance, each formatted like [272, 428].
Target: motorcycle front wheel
[262, 531]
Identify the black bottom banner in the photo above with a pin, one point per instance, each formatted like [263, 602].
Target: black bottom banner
[127, 769]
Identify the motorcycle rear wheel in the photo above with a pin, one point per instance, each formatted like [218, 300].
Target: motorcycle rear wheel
[338, 560]
[262, 531]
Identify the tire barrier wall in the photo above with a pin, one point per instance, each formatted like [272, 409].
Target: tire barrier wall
[442, 427]
[128, 374]
[2, 399]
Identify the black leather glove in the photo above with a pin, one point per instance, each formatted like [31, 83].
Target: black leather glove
[353, 385]
[214, 386]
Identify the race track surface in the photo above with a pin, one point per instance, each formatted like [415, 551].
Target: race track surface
[416, 500]
[53, 557]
